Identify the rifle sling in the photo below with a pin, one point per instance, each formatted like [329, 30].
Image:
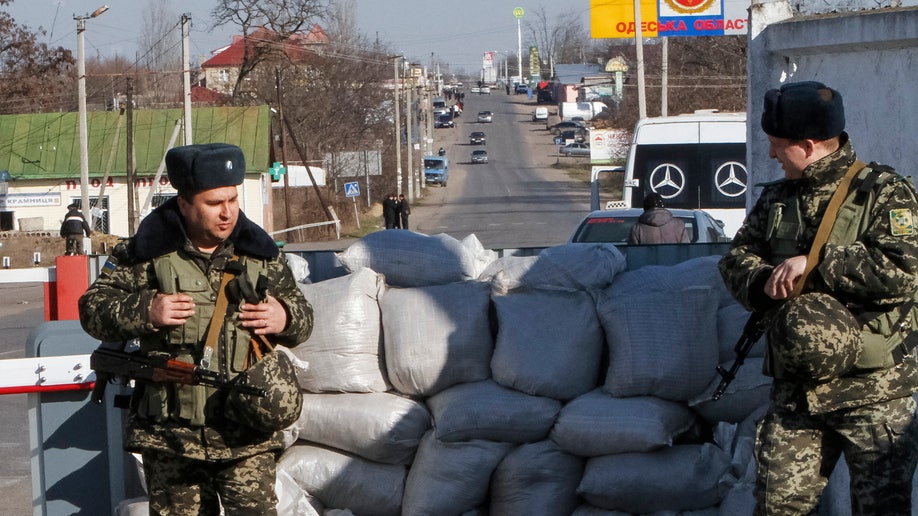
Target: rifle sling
[825, 227]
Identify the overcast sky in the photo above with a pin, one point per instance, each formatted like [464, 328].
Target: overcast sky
[455, 31]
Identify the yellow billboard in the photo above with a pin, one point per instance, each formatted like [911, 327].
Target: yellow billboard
[669, 18]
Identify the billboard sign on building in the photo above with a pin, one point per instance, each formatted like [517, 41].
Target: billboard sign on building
[669, 18]
[487, 60]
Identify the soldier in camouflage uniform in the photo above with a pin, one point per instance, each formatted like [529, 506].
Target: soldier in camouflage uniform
[833, 391]
[160, 288]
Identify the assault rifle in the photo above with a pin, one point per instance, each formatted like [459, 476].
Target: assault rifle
[752, 332]
[108, 363]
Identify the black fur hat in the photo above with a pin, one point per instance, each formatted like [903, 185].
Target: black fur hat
[806, 110]
[194, 168]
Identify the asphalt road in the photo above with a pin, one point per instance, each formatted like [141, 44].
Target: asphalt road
[515, 200]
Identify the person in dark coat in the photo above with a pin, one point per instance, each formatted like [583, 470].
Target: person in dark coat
[390, 211]
[657, 225]
[403, 210]
[73, 228]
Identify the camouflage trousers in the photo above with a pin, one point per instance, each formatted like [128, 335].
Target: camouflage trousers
[182, 486]
[796, 453]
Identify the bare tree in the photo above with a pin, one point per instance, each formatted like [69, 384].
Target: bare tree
[36, 77]
[161, 52]
[560, 38]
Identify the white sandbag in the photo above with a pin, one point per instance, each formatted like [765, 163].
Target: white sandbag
[683, 477]
[450, 478]
[749, 390]
[537, 478]
[299, 266]
[701, 271]
[578, 266]
[409, 259]
[597, 424]
[483, 257]
[381, 427]
[485, 410]
[549, 343]
[436, 336]
[342, 481]
[291, 499]
[730, 322]
[660, 343]
[343, 351]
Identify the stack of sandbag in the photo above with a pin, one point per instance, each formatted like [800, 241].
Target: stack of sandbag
[554, 384]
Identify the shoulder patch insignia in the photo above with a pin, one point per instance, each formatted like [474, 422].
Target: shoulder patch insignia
[900, 222]
[108, 268]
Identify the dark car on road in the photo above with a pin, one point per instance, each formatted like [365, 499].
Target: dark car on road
[614, 226]
[479, 156]
[566, 126]
[444, 121]
[477, 138]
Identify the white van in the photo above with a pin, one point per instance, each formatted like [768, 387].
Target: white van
[540, 114]
[695, 161]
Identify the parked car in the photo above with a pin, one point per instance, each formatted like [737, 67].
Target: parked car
[575, 149]
[576, 135]
[479, 156]
[477, 138]
[566, 125]
[485, 117]
[444, 121]
[614, 226]
[521, 88]
[540, 113]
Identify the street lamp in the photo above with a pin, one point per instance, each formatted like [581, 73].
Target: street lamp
[81, 93]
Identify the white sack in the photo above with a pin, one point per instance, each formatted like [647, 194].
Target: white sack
[536, 478]
[597, 424]
[450, 478]
[381, 427]
[730, 322]
[483, 257]
[436, 336]
[749, 390]
[568, 267]
[343, 481]
[660, 343]
[409, 259]
[549, 343]
[701, 271]
[291, 499]
[680, 478]
[343, 351]
[485, 410]
[299, 266]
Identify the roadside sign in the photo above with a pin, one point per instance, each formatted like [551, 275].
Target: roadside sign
[352, 189]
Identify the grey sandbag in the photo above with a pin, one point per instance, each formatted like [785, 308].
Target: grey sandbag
[549, 343]
[450, 478]
[680, 478]
[342, 481]
[343, 352]
[409, 259]
[597, 424]
[485, 410]
[579, 266]
[382, 427]
[537, 478]
[436, 336]
[661, 344]
[701, 271]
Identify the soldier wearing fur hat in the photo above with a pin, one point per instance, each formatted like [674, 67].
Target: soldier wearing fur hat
[159, 288]
[837, 280]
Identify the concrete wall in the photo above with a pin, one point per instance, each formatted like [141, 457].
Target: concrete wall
[869, 56]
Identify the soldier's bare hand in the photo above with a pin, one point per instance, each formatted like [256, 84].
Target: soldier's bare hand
[265, 318]
[781, 282]
[170, 309]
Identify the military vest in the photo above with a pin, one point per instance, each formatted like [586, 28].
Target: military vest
[194, 404]
[883, 333]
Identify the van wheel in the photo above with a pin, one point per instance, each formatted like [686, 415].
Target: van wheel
[443, 184]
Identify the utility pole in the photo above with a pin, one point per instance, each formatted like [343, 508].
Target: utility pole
[130, 179]
[639, 52]
[409, 112]
[283, 131]
[186, 75]
[398, 132]
[81, 106]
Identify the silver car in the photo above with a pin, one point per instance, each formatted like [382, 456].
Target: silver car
[479, 156]
[614, 226]
[575, 149]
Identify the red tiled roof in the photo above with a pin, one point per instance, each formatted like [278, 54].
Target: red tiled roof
[296, 46]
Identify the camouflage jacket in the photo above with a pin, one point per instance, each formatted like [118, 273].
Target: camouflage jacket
[878, 271]
[116, 308]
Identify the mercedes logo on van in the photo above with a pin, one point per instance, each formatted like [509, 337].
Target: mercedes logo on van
[731, 178]
[667, 179]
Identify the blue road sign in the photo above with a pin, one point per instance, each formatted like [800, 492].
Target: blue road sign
[351, 189]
